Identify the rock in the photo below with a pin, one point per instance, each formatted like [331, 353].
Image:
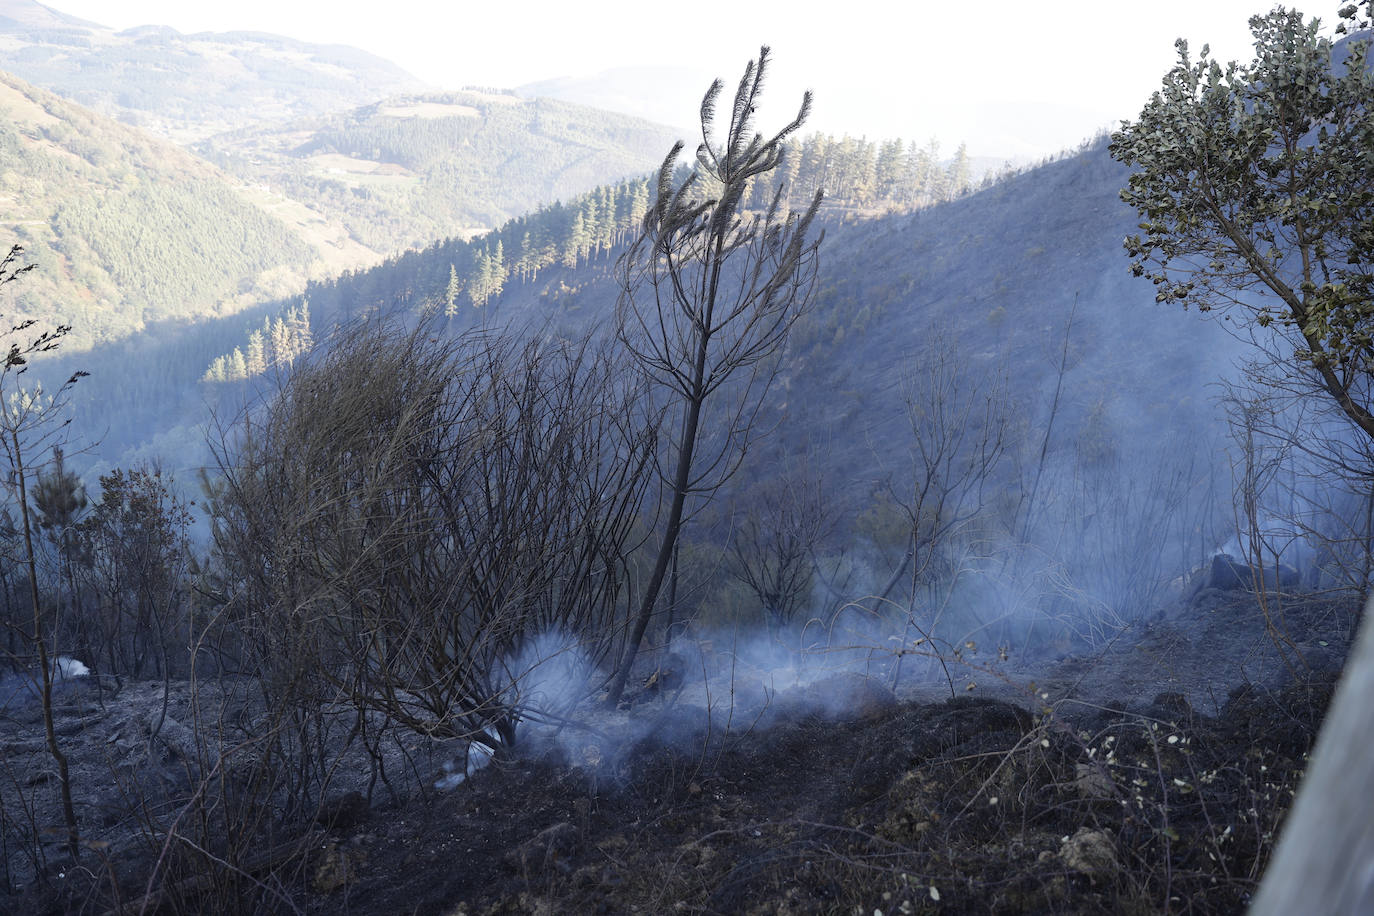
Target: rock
[1226, 573]
[1089, 852]
[1092, 782]
[178, 738]
[337, 867]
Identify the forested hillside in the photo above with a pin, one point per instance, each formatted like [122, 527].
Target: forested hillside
[186, 87]
[858, 177]
[1007, 272]
[127, 229]
[415, 168]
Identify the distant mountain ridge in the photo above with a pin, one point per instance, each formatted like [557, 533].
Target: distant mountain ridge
[187, 87]
[26, 13]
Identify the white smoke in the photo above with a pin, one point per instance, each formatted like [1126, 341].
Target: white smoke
[66, 668]
[543, 683]
[19, 690]
[699, 688]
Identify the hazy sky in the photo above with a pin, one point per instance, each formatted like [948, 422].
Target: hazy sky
[1011, 79]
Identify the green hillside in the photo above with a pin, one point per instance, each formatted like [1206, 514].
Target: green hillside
[415, 168]
[128, 229]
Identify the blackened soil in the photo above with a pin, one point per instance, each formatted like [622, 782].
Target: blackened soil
[1044, 802]
[971, 806]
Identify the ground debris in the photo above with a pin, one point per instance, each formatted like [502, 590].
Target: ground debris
[1089, 851]
[1026, 801]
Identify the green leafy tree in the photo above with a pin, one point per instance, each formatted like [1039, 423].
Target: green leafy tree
[814, 167]
[933, 186]
[639, 203]
[59, 497]
[862, 171]
[278, 341]
[496, 271]
[237, 367]
[915, 169]
[788, 170]
[524, 264]
[302, 338]
[1255, 184]
[1256, 188]
[576, 241]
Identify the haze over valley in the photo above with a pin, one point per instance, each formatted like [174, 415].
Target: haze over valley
[956, 498]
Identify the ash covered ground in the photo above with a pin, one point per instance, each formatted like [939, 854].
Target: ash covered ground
[1147, 773]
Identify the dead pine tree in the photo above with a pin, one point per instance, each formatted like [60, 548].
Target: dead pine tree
[708, 293]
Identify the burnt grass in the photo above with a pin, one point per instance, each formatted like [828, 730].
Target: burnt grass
[1020, 803]
[972, 805]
